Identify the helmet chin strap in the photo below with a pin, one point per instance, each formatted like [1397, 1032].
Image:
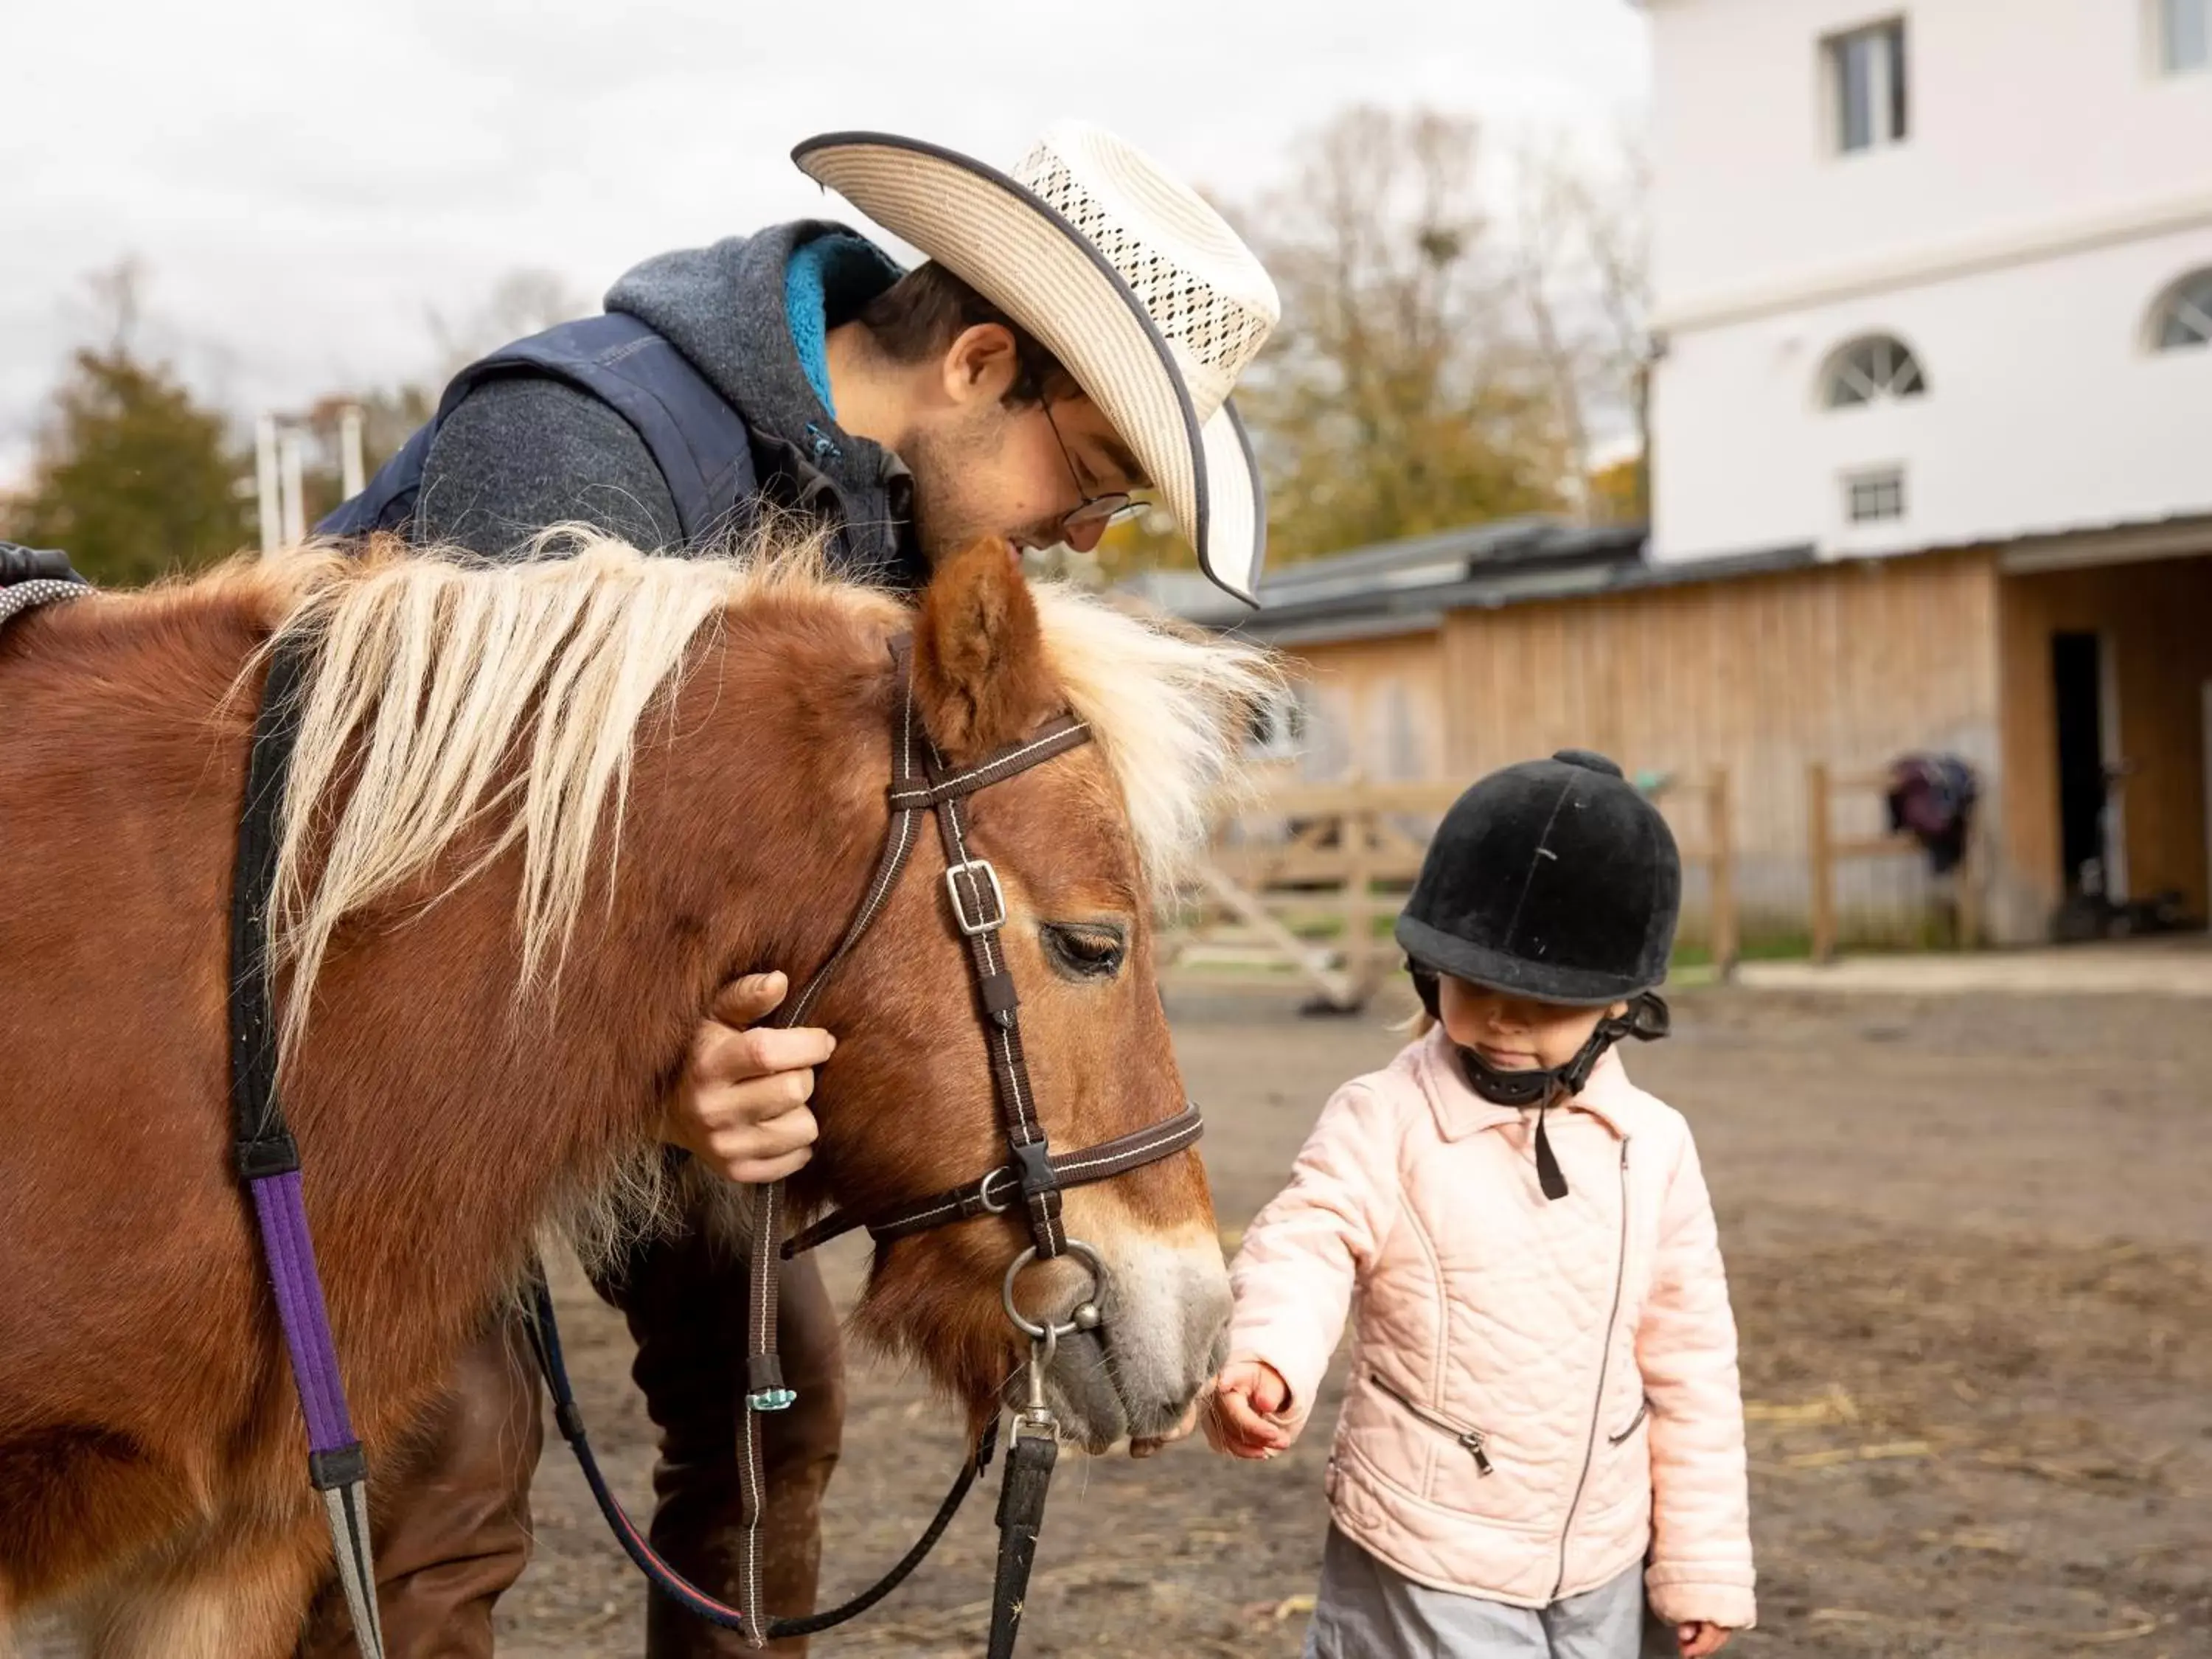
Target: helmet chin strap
[1539, 1086]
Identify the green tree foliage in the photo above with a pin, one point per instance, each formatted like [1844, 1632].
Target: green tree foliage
[1617, 492]
[131, 476]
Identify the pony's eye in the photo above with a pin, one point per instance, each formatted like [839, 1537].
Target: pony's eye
[1087, 950]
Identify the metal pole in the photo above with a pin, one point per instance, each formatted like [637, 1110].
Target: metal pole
[265, 482]
[351, 473]
[296, 507]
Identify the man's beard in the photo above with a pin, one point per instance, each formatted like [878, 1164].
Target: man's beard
[946, 517]
[947, 514]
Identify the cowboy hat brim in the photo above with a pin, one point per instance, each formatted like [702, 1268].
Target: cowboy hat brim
[1024, 256]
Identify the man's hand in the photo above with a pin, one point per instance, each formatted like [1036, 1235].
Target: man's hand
[740, 1107]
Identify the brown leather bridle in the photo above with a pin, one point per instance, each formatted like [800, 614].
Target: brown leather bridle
[1033, 1176]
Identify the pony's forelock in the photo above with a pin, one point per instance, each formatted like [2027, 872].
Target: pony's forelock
[1172, 708]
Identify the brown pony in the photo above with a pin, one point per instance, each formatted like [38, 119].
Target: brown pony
[538, 813]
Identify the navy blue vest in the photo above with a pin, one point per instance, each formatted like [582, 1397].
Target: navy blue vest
[697, 440]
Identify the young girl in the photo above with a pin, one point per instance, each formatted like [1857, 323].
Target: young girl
[1543, 1419]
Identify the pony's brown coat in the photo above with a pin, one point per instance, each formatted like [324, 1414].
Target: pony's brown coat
[147, 1422]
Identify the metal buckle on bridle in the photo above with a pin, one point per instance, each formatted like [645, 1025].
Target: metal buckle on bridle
[981, 879]
[992, 1207]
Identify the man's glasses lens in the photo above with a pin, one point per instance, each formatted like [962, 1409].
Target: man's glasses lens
[1100, 511]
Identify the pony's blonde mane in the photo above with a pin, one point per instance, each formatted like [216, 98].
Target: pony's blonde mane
[446, 695]
[1172, 709]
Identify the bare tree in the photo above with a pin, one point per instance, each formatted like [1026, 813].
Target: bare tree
[524, 302]
[116, 296]
[1580, 271]
[1400, 394]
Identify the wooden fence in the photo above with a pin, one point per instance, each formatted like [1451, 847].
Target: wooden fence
[1302, 884]
[1825, 850]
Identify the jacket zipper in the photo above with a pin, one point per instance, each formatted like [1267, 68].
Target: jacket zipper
[1474, 1440]
[1643, 1411]
[1604, 1359]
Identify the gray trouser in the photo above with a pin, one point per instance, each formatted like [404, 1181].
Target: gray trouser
[1365, 1610]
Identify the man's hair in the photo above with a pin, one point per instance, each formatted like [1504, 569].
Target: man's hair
[919, 316]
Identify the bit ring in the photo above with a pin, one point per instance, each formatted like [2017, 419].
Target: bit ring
[1086, 1315]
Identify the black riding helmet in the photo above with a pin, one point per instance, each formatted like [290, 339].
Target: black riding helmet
[1558, 881]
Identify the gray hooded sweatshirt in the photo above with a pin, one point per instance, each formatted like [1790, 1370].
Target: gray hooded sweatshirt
[519, 453]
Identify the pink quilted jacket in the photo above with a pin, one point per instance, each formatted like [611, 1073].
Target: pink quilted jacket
[1540, 1392]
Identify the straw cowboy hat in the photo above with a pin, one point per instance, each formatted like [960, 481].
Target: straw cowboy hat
[1141, 290]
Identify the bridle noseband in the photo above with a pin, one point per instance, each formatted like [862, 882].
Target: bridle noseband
[1033, 1176]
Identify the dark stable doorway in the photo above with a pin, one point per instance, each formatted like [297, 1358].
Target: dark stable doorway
[2077, 683]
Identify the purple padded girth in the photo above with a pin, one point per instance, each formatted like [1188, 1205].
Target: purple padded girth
[290, 1253]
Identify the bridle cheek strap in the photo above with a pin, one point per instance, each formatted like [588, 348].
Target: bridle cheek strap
[922, 783]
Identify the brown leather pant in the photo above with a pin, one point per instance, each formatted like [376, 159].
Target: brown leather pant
[453, 1530]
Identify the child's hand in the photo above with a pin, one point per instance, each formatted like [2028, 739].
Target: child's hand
[1698, 1640]
[1241, 1408]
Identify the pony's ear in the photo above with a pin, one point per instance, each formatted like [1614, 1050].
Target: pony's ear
[980, 676]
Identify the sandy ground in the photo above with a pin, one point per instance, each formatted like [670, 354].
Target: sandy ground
[1971, 1242]
[1971, 1245]
[2175, 966]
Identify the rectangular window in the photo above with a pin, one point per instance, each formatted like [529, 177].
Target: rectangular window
[1873, 497]
[2184, 35]
[1866, 85]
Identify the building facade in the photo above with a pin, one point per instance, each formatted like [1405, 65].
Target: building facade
[1931, 457]
[1936, 277]
[1928, 275]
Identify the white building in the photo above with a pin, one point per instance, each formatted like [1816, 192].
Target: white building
[1931, 441]
[1929, 274]
[1934, 277]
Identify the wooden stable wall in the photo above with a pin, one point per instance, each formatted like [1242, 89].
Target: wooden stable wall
[2156, 618]
[1852, 664]
[1849, 664]
[1375, 707]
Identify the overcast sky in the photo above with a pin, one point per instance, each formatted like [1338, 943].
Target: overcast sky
[305, 182]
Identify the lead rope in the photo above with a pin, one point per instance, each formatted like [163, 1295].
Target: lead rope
[568, 1417]
[766, 1389]
[1022, 1490]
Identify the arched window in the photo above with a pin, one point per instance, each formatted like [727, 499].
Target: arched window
[2183, 317]
[1870, 369]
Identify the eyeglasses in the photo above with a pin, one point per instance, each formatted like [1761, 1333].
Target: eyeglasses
[1094, 515]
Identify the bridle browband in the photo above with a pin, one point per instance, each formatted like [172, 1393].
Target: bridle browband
[1032, 1177]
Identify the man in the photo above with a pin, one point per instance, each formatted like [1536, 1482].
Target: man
[1071, 339]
